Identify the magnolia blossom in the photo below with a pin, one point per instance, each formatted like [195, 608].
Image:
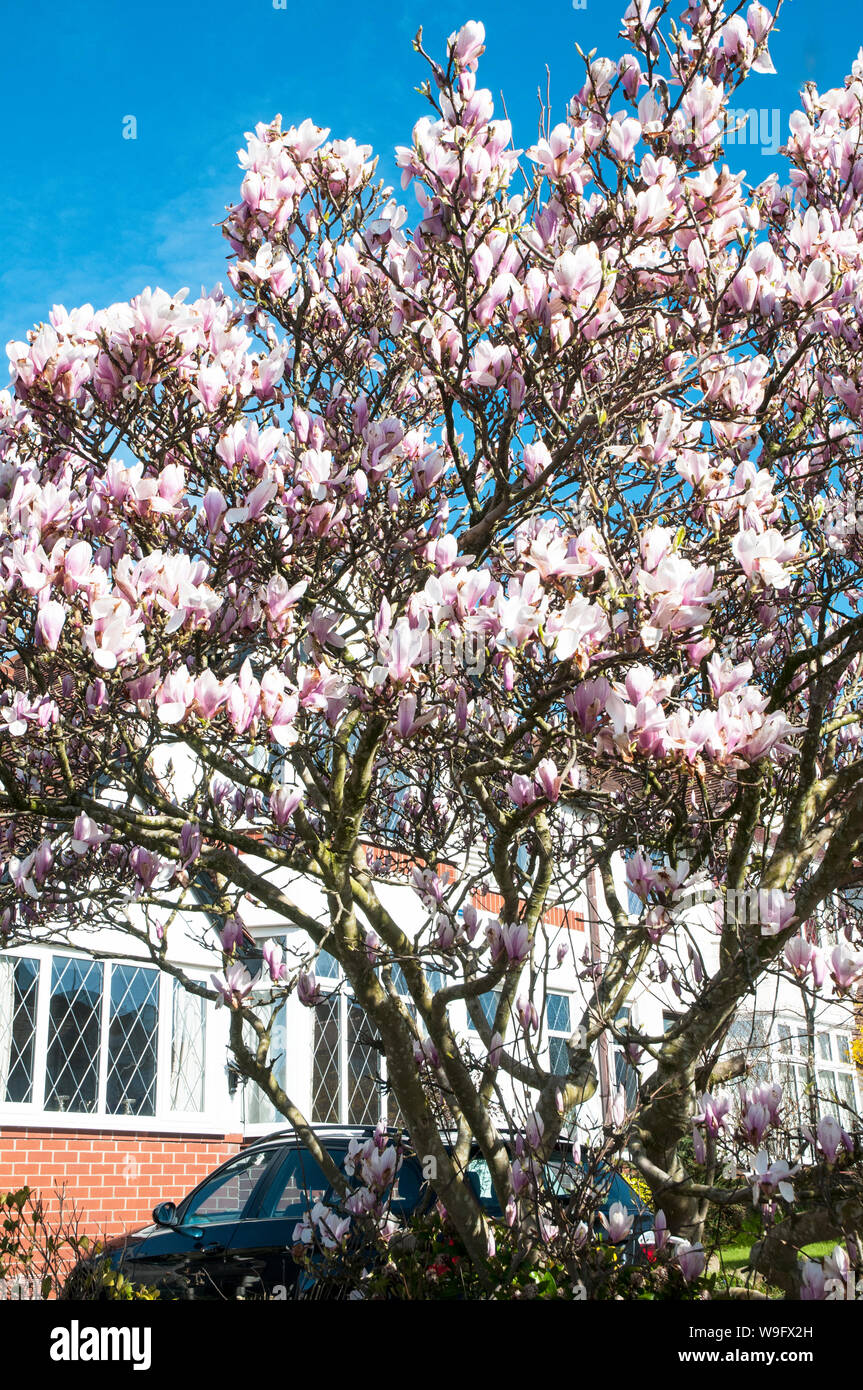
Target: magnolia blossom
[274, 961]
[234, 986]
[308, 990]
[86, 834]
[323, 1225]
[829, 1138]
[846, 968]
[691, 1259]
[767, 1177]
[231, 935]
[618, 1222]
[812, 1282]
[510, 939]
[714, 1112]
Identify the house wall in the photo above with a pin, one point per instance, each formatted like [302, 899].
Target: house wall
[117, 1167]
[114, 1180]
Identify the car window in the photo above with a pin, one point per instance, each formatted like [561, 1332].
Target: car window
[480, 1179]
[298, 1185]
[225, 1195]
[408, 1187]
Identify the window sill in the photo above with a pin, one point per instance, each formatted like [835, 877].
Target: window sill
[25, 1117]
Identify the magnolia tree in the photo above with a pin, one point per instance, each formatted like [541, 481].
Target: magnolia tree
[520, 534]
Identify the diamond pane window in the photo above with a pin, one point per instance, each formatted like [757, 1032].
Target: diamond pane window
[364, 1096]
[397, 975]
[557, 1016]
[326, 967]
[132, 1031]
[19, 980]
[259, 1109]
[557, 1013]
[188, 1050]
[436, 978]
[74, 1026]
[488, 1004]
[326, 1075]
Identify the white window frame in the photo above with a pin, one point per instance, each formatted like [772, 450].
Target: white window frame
[33, 1113]
[617, 1053]
[334, 984]
[557, 1032]
[796, 1056]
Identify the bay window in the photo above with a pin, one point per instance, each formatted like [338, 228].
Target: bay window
[83, 1037]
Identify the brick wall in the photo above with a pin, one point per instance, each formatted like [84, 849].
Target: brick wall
[115, 1179]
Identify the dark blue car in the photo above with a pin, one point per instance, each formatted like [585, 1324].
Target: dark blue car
[232, 1237]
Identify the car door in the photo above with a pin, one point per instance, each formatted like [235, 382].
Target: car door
[190, 1258]
[259, 1252]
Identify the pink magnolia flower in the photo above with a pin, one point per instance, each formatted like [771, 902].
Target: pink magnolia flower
[521, 790]
[698, 1146]
[660, 1230]
[548, 779]
[691, 1259]
[231, 935]
[86, 834]
[799, 954]
[618, 1222]
[308, 989]
[234, 986]
[527, 1014]
[829, 1138]
[618, 1108]
[274, 960]
[771, 1178]
[813, 1287]
[533, 1130]
[763, 556]
[640, 875]
[49, 624]
[514, 941]
[284, 802]
[754, 1123]
[426, 1054]
[846, 968]
[714, 1112]
[468, 44]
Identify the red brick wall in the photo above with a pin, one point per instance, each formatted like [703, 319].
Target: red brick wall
[115, 1179]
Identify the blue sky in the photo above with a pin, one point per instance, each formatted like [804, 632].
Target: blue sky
[90, 216]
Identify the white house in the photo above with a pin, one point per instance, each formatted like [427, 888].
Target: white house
[117, 1081]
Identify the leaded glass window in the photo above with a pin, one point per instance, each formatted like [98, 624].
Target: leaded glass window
[19, 981]
[74, 1028]
[326, 1076]
[133, 1022]
[364, 1093]
[188, 1049]
[557, 1018]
